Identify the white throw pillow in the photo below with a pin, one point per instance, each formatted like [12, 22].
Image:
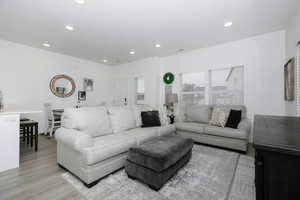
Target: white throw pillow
[218, 117]
[122, 118]
[92, 120]
[164, 120]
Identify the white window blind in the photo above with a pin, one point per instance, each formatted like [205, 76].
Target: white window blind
[193, 88]
[298, 79]
[227, 86]
[140, 90]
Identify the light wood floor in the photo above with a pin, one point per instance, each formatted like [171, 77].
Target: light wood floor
[38, 177]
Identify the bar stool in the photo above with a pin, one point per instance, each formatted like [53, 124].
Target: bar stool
[29, 129]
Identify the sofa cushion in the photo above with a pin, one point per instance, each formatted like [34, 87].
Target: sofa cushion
[122, 118]
[91, 120]
[106, 147]
[226, 132]
[198, 113]
[190, 126]
[142, 135]
[166, 130]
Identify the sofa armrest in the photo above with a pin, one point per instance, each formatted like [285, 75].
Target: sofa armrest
[97, 153]
[74, 139]
[245, 124]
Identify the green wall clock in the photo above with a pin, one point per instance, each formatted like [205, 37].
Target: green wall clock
[168, 78]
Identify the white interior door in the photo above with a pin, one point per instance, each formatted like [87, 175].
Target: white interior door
[121, 91]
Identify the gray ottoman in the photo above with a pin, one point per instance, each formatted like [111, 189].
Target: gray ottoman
[157, 160]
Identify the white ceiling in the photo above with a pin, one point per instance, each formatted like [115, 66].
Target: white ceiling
[109, 29]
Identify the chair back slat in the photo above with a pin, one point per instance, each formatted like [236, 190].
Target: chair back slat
[48, 111]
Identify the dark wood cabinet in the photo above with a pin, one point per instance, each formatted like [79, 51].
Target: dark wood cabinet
[277, 157]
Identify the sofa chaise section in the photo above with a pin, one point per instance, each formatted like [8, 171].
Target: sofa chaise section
[106, 147]
[91, 160]
[144, 134]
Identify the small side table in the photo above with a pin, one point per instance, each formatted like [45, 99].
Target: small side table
[30, 130]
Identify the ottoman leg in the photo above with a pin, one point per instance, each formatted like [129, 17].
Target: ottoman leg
[154, 188]
[131, 177]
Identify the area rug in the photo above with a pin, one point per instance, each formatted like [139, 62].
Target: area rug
[211, 174]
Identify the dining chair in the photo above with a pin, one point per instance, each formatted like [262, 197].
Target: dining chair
[53, 120]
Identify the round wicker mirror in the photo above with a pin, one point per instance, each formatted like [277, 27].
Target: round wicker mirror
[62, 86]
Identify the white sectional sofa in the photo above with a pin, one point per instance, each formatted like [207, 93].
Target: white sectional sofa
[94, 141]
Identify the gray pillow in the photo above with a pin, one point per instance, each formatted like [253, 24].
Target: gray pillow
[198, 113]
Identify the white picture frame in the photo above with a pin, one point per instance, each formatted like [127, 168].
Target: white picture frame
[88, 84]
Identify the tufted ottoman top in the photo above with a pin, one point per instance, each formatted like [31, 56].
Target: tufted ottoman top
[160, 153]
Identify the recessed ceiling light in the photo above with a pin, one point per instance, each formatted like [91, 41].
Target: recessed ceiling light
[105, 60]
[132, 52]
[46, 44]
[157, 45]
[80, 1]
[69, 27]
[228, 24]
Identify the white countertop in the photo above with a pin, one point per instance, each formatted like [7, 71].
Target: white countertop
[18, 110]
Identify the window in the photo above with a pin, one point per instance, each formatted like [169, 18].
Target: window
[140, 90]
[193, 88]
[298, 79]
[226, 86]
[221, 86]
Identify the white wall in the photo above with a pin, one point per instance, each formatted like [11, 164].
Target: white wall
[292, 38]
[26, 73]
[147, 68]
[262, 57]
